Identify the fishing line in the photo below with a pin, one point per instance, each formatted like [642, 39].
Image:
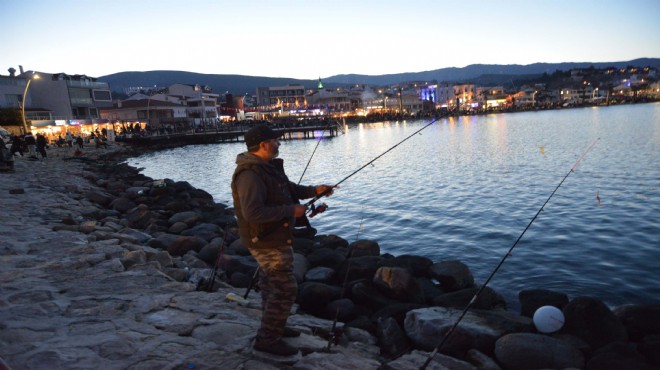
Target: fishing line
[312, 156]
[327, 191]
[490, 277]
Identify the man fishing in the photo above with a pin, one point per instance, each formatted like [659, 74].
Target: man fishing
[266, 206]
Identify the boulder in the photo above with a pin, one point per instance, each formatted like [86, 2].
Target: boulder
[364, 293]
[188, 217]
[650, 347]
[314, 297]
[418, 266]
[357, 268]
[618, 355]
[133, 258]
[100, 197]
[139, 217]
[452, 275]
[488, 299]
[430, 290]
[398, 283]
[391, 338]
[360, 248]
[177, 227]
[590, 319]
[122, 204]
[639, 321]
[478, 329]
[326, 257]
[204, 231]
[331, 241]
[342, 309]
[300, 267]
[522, 351]
[184, 244]
[323, 275]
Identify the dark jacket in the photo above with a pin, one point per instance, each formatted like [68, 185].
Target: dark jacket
[263, 201]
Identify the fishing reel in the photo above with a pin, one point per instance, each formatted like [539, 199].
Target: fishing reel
[315, 210]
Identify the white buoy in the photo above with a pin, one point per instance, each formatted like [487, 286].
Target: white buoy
[548, 319]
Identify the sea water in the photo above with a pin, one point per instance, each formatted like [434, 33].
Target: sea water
[465, 188]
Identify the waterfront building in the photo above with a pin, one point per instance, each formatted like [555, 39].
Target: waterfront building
[283, 97]
[57, 103]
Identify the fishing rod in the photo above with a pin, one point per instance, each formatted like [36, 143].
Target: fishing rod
[218, 260]
[335, 334]
[314, 210]
[490, 277]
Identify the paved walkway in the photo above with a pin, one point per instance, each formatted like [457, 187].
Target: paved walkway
[68, 302]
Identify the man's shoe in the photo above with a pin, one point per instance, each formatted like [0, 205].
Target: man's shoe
[279, 347]
[290, 332]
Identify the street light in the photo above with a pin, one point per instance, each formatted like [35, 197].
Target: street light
[33, 77]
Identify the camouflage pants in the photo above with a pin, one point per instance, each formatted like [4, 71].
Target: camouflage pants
[278, 290]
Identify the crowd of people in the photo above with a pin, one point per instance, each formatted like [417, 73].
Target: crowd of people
[35, 147]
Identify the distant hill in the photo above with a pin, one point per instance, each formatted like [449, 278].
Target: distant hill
[475, 73]
[235, 84]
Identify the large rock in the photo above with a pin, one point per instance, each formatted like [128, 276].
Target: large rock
[360, 248]
[185, 244]
[326, 257]
[300, 267]
[418, 266]
[323, 275]
[100, 197]
[139, 217]
[452, 275]
[398, 283]
[364, 293]
[391, 338]
[188, 217]
[590, 319]
[487, 299]
[650, 347]
[342, 309]
[122, 204]
[639, 321]
[479, 329]
[619, 355]
[314, 297]
[357, 268]
[332, 241]
[204, 231]
[523, 351]
[415, 359]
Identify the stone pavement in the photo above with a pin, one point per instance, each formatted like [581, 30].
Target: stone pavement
[68, 301]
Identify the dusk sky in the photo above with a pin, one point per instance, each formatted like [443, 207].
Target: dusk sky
[311, 39]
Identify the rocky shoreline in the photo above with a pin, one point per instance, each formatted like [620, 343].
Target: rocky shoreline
[101, 268]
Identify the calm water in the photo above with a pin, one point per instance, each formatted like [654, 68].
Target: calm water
[465, 188]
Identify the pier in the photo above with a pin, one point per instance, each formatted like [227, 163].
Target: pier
[236, 134]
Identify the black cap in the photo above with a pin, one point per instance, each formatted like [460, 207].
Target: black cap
[260, 133]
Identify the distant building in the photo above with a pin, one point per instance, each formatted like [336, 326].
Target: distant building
[287, 97]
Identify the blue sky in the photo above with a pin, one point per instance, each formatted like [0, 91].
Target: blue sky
[311, 39]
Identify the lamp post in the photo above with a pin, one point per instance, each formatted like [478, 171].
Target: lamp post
[33, 77]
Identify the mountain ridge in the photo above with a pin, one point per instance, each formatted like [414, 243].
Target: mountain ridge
[244, 84]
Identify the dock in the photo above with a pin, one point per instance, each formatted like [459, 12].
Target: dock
[223, 136]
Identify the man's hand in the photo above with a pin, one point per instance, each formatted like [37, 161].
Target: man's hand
[299, 210]
[320, 189]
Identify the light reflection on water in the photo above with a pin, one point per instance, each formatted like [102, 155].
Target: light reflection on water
[465, 188]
